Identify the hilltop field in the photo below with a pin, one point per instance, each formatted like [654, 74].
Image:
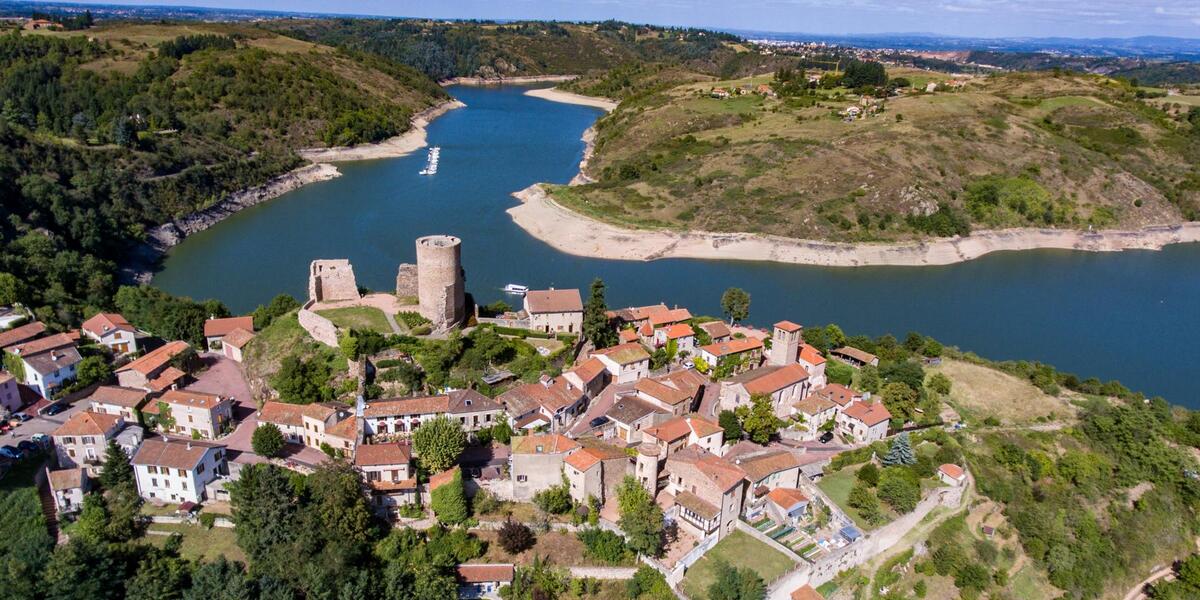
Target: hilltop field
[1017, 150]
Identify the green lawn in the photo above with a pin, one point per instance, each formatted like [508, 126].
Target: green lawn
[739, 550]
[200, 543]
[358, 317]
[837, 486]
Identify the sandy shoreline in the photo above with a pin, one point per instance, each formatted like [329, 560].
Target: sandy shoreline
[573, 233]
[557, 95]
[401, 145]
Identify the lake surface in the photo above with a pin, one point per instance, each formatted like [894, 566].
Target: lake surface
[1132, 316]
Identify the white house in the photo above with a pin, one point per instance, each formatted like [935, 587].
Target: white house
[864, 420]
[47, 362]
[216, 329]
[82, 440]
[626, 362]
[196, 414]
[173, 470]
[313, 424]
[112, 330]
[68, 487]
[483, 580]
[810, 358]
[472, 410]
[10, 395]
[234, 343]
[952, 474]
[116, 400]
[554, 310]
[385, 468]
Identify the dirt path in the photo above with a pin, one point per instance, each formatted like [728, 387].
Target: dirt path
[1138, 592]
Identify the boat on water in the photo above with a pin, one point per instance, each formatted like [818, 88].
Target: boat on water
[516, 288]
[431, 166]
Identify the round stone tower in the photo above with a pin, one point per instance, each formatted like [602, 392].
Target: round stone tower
[440, 280]
[647, 467]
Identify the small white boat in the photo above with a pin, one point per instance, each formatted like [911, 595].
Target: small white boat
[516, 288]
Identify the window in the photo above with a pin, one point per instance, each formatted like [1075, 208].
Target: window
[522, 479]
[183, 485]
[153, 482]
[151, 469]
[200, 468]
[68, 440]
[181, 472]
[190, 418]
[71, 452]
[89, 440]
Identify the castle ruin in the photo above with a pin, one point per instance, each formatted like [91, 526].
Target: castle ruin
[331, 280]
[437, 280]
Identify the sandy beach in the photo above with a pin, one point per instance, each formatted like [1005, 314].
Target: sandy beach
[573, 233]
[405, 143]
[557, 95]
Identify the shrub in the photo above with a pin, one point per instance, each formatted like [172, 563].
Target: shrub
[604, 546]
[208, 520]
[267, 440]
[555, 500]
[449, 501]
[515, 537]
[868, 474]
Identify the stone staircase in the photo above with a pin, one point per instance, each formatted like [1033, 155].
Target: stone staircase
[49, 507]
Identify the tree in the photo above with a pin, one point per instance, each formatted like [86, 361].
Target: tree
[449, 500]
[160, 575]
[280, 305]
[735, 303]
[265, 518]
[640, 518]
[901, 452]
[515, 537]
[438, 443]
[555, 499]
[869, 379]
[900, 489]
[648, 584]
[92, 370]
[907, 372]
[596, 326]
[868, 474]
[939, 383]
[267, 440]
[502, 431]
[83, 569]
[736, 584]
[117, 470]
[837, 372]
[761, 423]
[900, 400]
[862, 498]
[221, 579]
[728, 420]
[302, 381]
[12, 289]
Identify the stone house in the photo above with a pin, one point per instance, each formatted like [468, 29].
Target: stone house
[626, 363]
[153, 371]
[385, 469]
[47, 363]
[629, 415]
[595, 471]
[766, 468]
[690, 430]
[717, 331]
[675, 393]
[864, 421]
[174, 470]
[234, 343]
[746, 352]
[116, 400]
[68, 486]
[554, 311]
[854, 357]
[552, 402]
[472, 410]
[536, 463]
[680, 333]
[112, 330]
[785, 386]
[188, 413]
[82, 440]
[590, 376]
[10, 394]
[705, 492]
[313, 424]
[810, 358]
[216, 329]
[816, 411]
[952, 474]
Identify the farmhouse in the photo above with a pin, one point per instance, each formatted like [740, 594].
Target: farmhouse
[554, 310]
[113, 331]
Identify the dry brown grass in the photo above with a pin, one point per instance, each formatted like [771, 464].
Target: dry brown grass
[980, 392]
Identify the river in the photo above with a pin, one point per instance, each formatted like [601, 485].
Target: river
[1132, 316]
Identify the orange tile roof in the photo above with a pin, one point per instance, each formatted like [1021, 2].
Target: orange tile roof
[856, 354]
[786, 498]
[102, 323]
[488, 573]
[760, 465]
[788, 326]
[627, 335]
[589, 456]
[716, 329]
[221, 327]
[346, 429]
[118, 396]
[662, 392]
[156, 359]
[87, 423]
[438, 480]
[716, 469]
[806, 592]
[170, 376]
[553, 301]
[953, 471]
[772, 379]
[838, 394]
[40, 345]
[733, 346]
[20, 334]
[666, 317]
[171, 452]
[530, 396]
[810, 355]
[546, 443]
[681, 427]
[190, 398]
[375, 455]
[589, 370]
[237, 338]
[282, 413]
[871, 413]
[679, 330]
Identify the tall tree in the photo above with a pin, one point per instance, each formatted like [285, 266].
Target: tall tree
[735, 303]
[640, 518]
[265, 518]
[901, 452]
[221, 579]
[267, 440]
[117, 470]
[449, 500]
[596, 325]
[438, 443]
[761, 423]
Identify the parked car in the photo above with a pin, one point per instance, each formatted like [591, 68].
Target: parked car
[54, 409]
[28, 447]
[40, 439]
[826, 437]
[5, 426]
[11, 452]
[22, 417]
[598, 421]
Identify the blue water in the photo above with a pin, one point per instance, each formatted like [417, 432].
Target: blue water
[1132, 316]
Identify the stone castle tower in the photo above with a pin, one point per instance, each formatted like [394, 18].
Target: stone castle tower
[436, 280]
[646, 469]
[785, 343]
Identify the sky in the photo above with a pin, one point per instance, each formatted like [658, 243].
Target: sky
[973, 18]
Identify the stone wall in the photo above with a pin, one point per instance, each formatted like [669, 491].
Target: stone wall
[321, 329]
[406, 280]
[331, 280]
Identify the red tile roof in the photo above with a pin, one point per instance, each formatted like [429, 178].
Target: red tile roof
[716, 329]
[769, 380]
[662, 392]
[679, 330]
[838, 394]
[170, 376]
[237, 338]
[733, 346]
[375, 455]
[40, 345]
[156, 359]
[625, 354]
[548, 443]
[190, 398]
[221, 327]
[282, 413]
[806, 592]
[531, 396]
[952, 471]
[871, 413]
[102, 323]
[627, 335]
[811, 355]
[681, 427]
[20, 334]
[173, 453]
[87, 423]
[553, 301]
[786, 498]
[589, 370]
[118, 396]
[788, 326]
[488, 573]
[666, 317]
[588, 456]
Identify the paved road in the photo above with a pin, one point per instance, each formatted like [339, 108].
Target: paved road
[597, 408]
[41, 424]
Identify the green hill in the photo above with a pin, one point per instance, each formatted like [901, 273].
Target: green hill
[109, 132]
[1014, 150]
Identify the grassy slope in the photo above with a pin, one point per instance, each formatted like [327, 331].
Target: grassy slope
[358, 317]
[979, 392]
[282, 338]
[739, 550]
[767, 165]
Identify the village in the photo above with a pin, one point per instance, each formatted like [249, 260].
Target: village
[654, 410]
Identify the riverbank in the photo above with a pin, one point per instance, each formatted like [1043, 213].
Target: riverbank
[401, 145]
[568, 231]
[557, 95]
[524, 79]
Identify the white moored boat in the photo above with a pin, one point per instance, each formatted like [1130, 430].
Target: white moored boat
[516, 288]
